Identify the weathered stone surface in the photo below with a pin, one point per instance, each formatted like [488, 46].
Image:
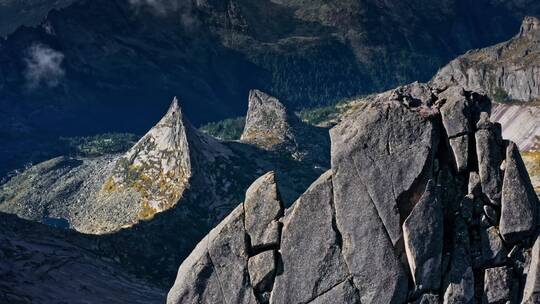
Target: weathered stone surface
[474, 187]
[428, 299]
[368, 182]
[267, 121]
[455, 112]
[217, 270]
[310, 247]
[491, 214]
[344, 292]
[489, 154]
[263, 207]
[498, 285]
[262, 270]
[459, 280]
[460, 150]
[365, 148]
[519, 201]
[531, 292]
[423, 236]
[493, 249]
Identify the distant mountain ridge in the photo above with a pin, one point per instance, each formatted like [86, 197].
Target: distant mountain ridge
[116, 54]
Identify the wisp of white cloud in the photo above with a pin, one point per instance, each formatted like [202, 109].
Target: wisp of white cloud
[43, 66]
[165, 7]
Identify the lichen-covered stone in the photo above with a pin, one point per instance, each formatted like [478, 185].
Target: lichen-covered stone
[344, 292]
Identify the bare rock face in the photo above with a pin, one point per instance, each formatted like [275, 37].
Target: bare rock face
[104, 194]
[311, 248]
[159, 166]
[423, 235]
[267, 121]
[508, 70]
[519, 201]
[263, 207]
[394, 220]
[490, 156]
[271, 126]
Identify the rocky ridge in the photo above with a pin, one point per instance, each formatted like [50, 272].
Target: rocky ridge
[425, 203]
[508, 70]
[152, 204]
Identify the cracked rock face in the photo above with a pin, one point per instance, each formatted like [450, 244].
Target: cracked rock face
[394, 220]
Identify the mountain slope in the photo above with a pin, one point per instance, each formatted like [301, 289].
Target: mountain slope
[214, 51]
[507, 71]
[41, 265]
[150, 205]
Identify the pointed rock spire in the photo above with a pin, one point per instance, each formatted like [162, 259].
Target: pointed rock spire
[268, 123]
[159, 166]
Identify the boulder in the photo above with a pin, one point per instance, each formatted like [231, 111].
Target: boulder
[489, 154]
[498, 285]
[455, 112]
[263, 207]
[519, 201]
[373, 192]
[423, 236]
[460, 150]
[341, 293]
[217, 270]
[459, 280]
[493, 249]
[310, 247]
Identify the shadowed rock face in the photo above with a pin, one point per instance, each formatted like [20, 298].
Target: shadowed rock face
[394, 220]
[39, 264]
[510, 68]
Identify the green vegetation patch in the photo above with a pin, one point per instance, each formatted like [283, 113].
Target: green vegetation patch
[228, 129]
[98, 145]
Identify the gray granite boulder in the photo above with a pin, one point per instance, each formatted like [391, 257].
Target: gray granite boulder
[519, 201]
[263, 207]
[423, 235]
[493, 248]
[489, 154]
[310, 248]
[217, 270]
[498, 283]
[369, 182]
